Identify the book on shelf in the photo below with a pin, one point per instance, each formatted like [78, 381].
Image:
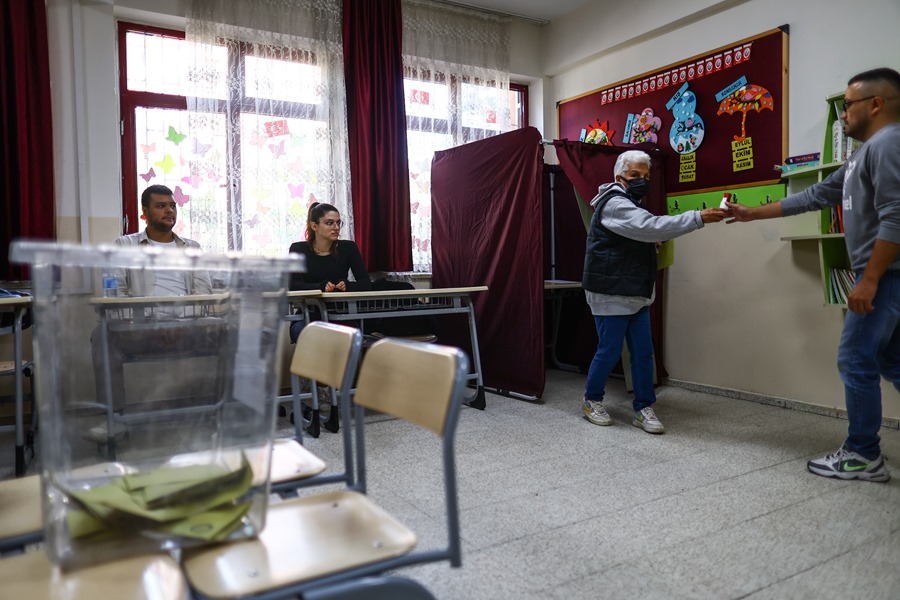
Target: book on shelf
[840, 284]
[812, 157]
[836, 220]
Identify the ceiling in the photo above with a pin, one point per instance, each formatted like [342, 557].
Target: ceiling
[536, 10]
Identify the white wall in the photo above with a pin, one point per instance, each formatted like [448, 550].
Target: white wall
[743, 309]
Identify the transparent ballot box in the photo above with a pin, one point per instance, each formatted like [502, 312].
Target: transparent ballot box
[156, 392]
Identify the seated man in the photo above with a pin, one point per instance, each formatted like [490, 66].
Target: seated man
[160, 212]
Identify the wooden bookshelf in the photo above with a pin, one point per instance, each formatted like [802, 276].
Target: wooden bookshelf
[832, 247]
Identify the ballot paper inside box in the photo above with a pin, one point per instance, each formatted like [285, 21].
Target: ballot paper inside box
[157, 408]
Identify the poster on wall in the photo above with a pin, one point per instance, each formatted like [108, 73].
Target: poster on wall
[721, 116]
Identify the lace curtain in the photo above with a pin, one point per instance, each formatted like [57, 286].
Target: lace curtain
[456, 68]
[266, 131]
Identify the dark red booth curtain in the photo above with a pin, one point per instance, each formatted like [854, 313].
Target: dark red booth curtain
[486, 230]
[590, 165]
[26, 136]
[376, 119]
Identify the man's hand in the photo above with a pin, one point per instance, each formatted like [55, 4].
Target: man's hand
[860, 299]
[340, 286]
[738, 213]
[712, 215]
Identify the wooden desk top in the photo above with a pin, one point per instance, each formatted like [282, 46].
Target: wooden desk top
[416, 293]
[155, 300]
[304, 294]
[561, 284]
[14, 301]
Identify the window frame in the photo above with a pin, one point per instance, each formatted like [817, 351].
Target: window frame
[129, 101]
[237, 104]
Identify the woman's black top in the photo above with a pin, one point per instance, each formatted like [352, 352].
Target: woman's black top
[334, 267]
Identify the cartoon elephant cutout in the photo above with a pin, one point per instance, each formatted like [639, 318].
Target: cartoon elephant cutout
[688, 129]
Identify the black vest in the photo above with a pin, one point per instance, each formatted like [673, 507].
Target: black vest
[616, 265]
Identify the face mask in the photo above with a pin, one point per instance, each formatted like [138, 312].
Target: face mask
[638, 187]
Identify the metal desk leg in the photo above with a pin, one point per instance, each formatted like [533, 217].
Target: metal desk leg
[554, 336]
[107, 387]
[20, 392]
[478, 401]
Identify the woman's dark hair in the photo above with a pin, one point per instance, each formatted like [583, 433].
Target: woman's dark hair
[317, 210]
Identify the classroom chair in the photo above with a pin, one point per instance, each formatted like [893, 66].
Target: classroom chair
[340, 544]
[325, 353]
[153, 577]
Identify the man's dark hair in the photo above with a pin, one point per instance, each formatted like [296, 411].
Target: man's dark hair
[883, 74]
[155, 189]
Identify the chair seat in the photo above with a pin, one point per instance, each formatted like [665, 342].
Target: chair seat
[21, 519]
[304, 539]
[31, 576]
[291, 462]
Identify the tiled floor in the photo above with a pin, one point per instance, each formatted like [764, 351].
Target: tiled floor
[721, 506]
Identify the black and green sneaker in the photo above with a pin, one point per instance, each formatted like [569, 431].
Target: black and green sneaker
[845, 464]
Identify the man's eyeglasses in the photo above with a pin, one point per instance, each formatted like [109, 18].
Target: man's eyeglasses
[333, 223]
[849, 103]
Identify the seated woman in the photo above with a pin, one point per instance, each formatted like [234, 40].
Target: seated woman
[329, 260]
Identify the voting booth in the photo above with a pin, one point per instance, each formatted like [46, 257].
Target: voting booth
[155, 396]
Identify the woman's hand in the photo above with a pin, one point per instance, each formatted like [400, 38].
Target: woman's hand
[340, 286]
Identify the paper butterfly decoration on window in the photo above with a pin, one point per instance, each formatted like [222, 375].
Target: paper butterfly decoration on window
[277, 149]
[148, 175]
[166, 164]
[180, 197]
[257, 140]
[296, 190]
[148, 148]
[194, 179]
[175, 137]
[200, 148]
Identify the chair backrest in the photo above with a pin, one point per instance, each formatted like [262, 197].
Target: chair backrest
[414, 382]
[324, 352]
[423, 384]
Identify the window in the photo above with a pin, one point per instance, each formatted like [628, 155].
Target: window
[443, 112]
[243, 172]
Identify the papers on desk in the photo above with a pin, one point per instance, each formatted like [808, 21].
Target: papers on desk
[198, 501]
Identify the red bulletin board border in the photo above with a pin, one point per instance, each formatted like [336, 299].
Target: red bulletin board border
[720, 160]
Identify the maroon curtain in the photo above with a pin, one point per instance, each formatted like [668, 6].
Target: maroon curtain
[26, 136]
[486, 230]
[376, 120]
[590, 165]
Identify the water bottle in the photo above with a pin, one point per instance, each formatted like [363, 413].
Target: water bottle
[109, 285]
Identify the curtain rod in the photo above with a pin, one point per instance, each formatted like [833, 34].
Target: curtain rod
[497, 13]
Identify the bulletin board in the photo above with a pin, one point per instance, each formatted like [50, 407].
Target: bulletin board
[721, 116]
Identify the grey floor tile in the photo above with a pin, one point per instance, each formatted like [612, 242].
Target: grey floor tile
[869, 571]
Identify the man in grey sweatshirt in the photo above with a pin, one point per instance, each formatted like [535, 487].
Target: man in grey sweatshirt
[619, 276]
[868, 187]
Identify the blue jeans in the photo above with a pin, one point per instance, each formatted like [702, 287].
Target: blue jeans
[612, 331]
[870, 346]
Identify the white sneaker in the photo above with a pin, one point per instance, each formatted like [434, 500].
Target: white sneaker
[595, 413]
[646, 420]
